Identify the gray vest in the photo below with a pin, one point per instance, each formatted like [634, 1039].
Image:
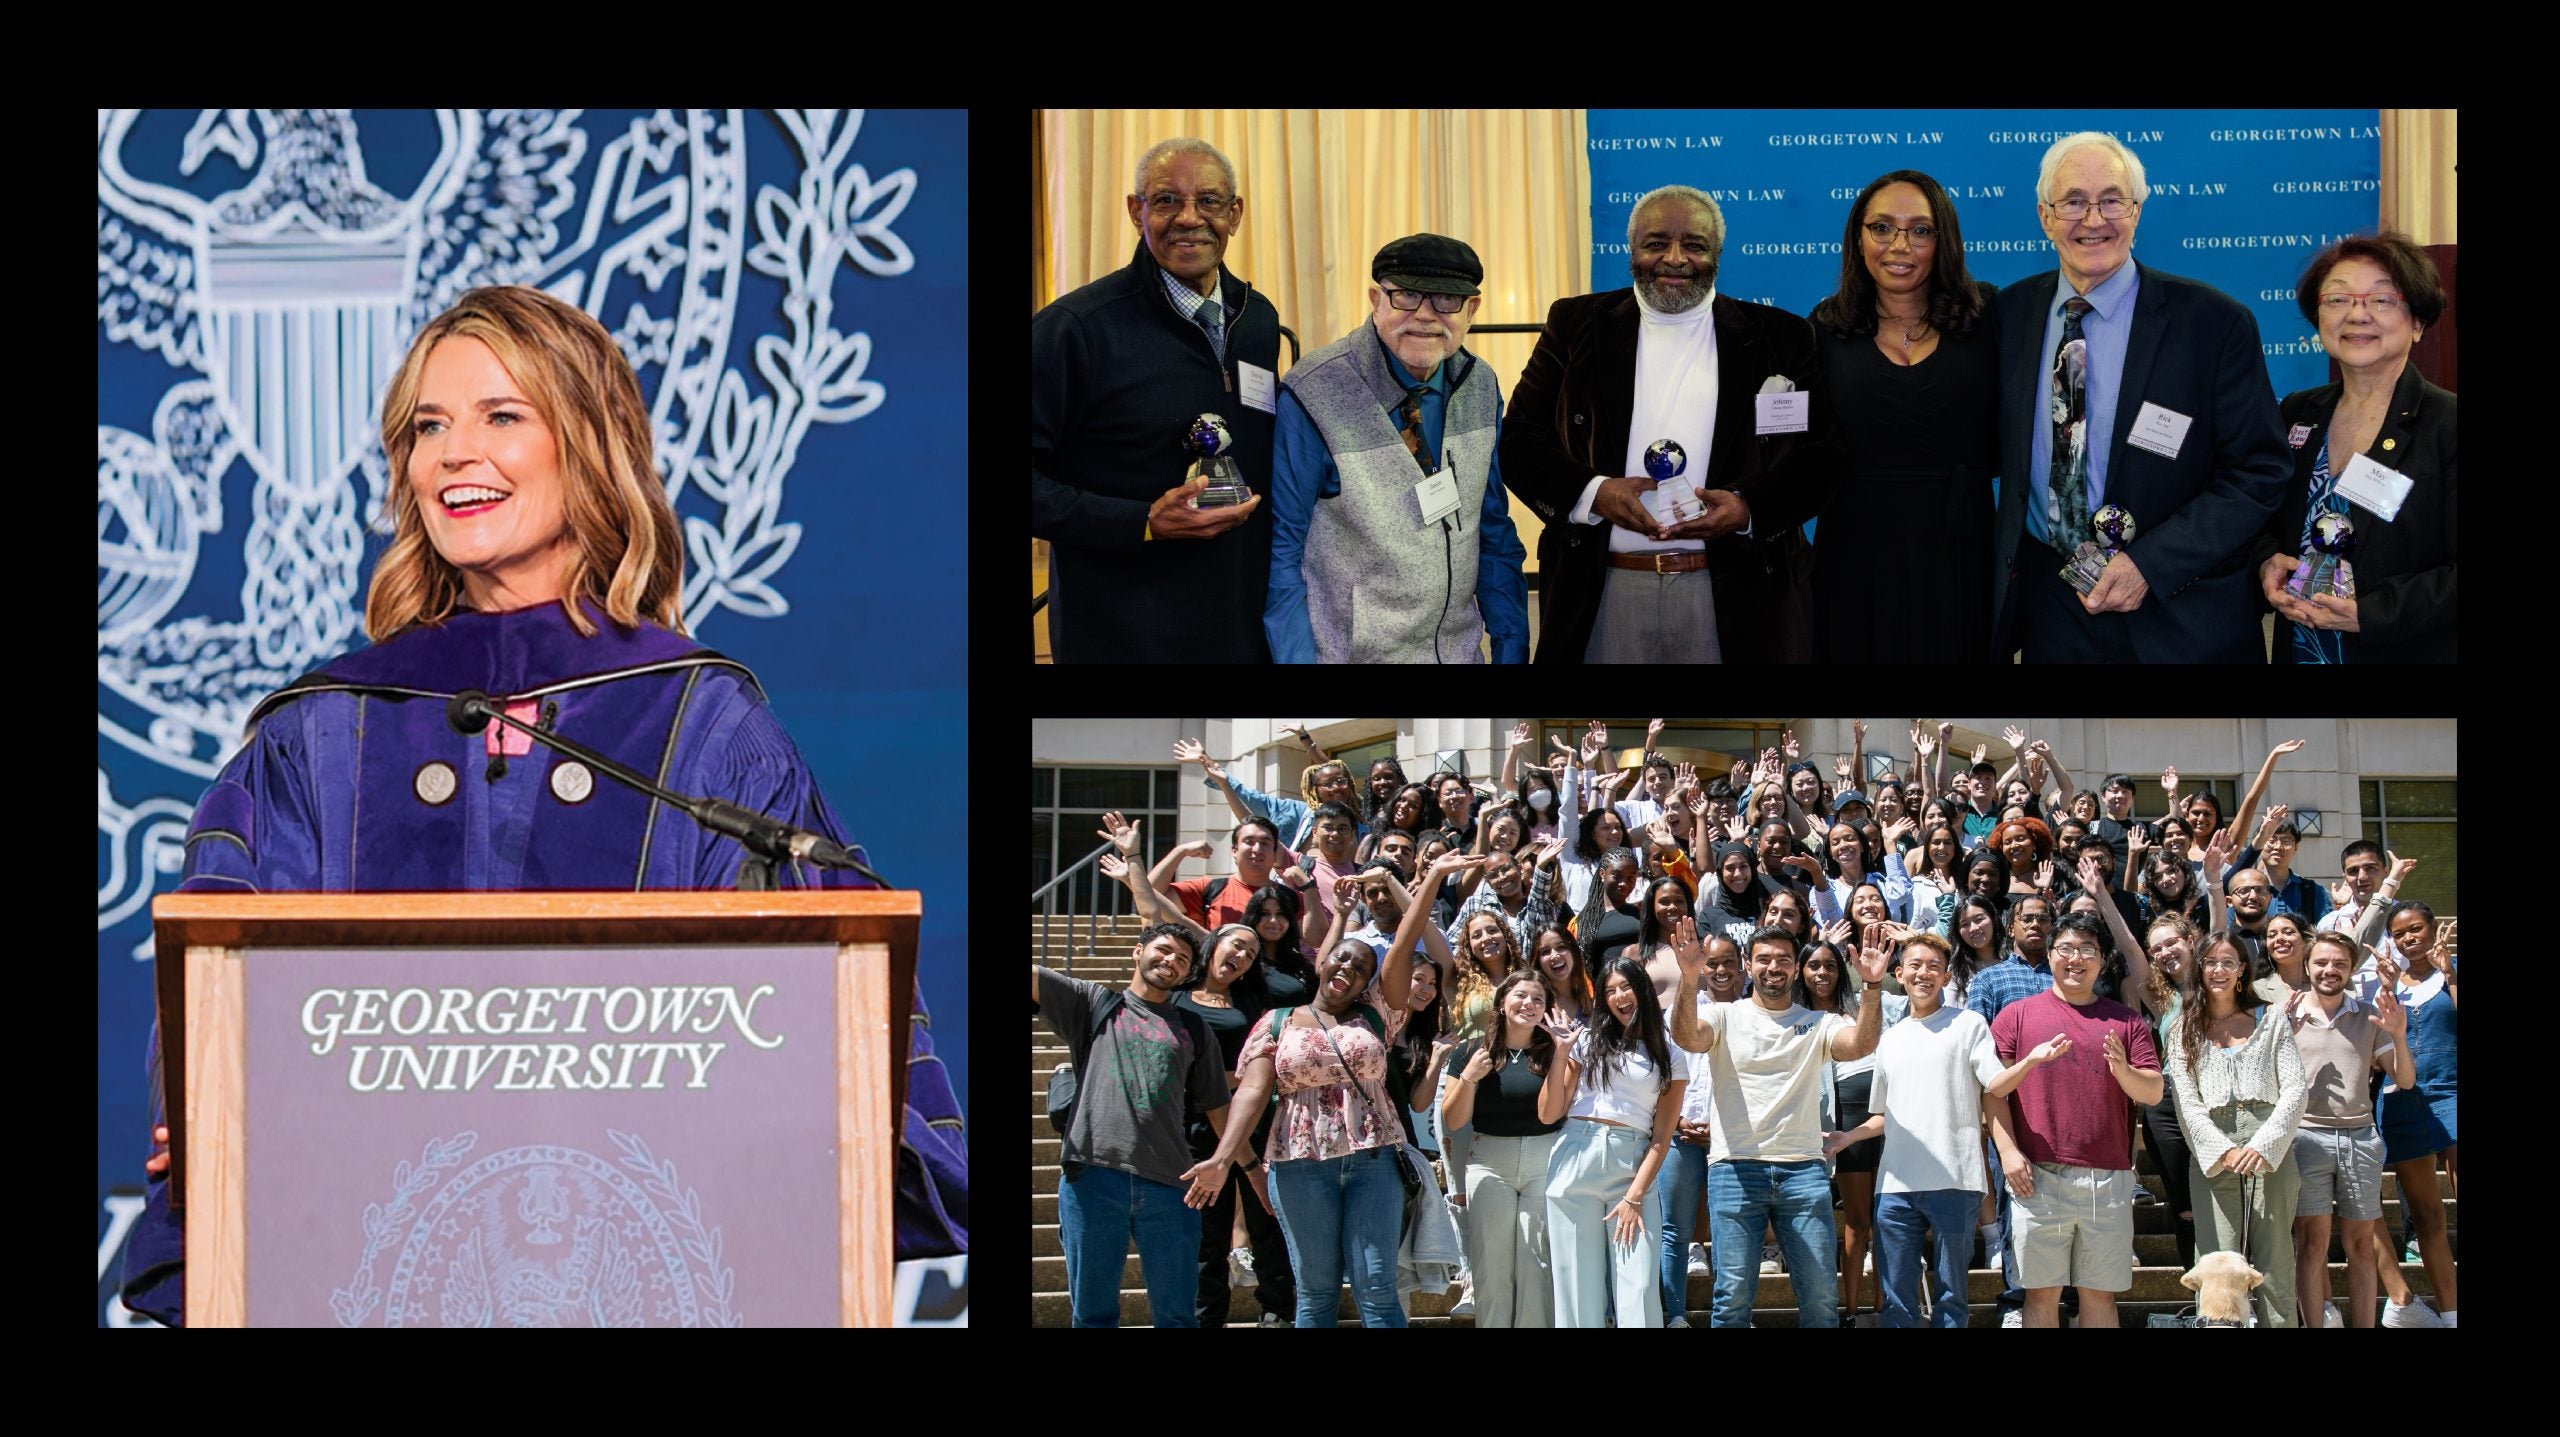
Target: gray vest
[1382, 588]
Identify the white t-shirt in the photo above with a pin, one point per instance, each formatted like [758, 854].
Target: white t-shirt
[1766, 1076]
[1635, 1084]
[1935, 1069]
[1697, 1105]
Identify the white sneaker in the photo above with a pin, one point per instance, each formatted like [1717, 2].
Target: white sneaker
[2013, 1318]
[1240, 1267]
[1769, 1262]
[2329, 1315]
[1991, 1245]
[2416, 1314]
[1465, 1307]
[1698, 1264]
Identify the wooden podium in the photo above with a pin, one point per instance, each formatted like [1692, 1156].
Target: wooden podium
[209, 954]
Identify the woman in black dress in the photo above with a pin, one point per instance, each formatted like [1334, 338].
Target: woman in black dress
[1911, 358]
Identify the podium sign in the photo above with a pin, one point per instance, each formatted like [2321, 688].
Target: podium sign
[663, 1108]
[596, 1137]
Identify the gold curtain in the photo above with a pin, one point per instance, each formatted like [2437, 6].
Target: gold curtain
[2417, 173]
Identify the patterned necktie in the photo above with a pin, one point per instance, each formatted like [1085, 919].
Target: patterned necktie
[2067, 489]
[1412, 433]
[1212, 317]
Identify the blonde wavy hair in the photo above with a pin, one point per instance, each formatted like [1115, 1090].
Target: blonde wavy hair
[629, 555]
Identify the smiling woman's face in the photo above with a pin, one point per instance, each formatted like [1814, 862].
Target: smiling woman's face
[486, 476]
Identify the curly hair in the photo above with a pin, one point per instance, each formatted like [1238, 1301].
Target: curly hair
[626, 552]
[2033, 827]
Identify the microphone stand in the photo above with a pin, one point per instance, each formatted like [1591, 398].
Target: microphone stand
[769, 839]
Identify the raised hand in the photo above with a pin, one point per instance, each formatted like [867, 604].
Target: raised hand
[1981, 751]
[1561, 1028]
[1112, 867]
[1769, 762]
[2217, 852]
[1840, 768]
[1698, 807]
[1835, 933]
[1898, 830]
[1946, 731]
[2289, 746]
[2050, 1049]
[1652, 731]
[2273, 821]
[2401, 868]
[1872, 963]
[2043, 875]
[1346, 891]
[2169, 780]
[2386, 1005]
[1596, 739]
[1122, 833]
[1298, 878]
[2013, 736]
[2137, 841]
[1921, 742]
[1561, 746]
[1188, 750]
[1806, 863]
[1551, 851]
[1519, 735]
[1787, 744]
[1858, 730]
[1658, 835]
[1685, 947]
[1684, 777]
[1739, 777]
[2089, 876]
[1197, 848]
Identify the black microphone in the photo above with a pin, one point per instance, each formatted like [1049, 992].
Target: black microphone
[471, 711]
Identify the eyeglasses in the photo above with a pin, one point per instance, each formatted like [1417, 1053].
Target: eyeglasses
[1413, 298]
[1920, 235]
[2090, 954]
[2114, 207]
[1211, 207]
[2247, 889]
[2381, 302]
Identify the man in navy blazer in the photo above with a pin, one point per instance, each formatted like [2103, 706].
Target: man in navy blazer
[2177, 386]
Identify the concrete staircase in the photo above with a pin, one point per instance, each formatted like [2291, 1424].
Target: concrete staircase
[2155, 1280]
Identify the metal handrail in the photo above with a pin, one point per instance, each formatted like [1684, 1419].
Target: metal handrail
[1045, 897]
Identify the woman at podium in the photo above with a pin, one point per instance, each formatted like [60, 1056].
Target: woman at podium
[534, 558]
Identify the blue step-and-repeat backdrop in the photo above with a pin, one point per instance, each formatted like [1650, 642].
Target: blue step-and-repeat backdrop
[792, 288]
[2240, 199]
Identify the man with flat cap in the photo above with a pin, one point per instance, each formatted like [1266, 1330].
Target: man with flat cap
[1391, 537]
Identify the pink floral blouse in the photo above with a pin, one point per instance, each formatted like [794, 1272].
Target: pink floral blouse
[1323, 1112]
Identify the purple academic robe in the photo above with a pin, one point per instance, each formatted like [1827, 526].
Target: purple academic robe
[353, 780]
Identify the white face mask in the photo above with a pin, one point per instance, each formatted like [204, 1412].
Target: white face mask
[1541, 800]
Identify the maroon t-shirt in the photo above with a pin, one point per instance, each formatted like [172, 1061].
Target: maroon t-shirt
[2070, 1111]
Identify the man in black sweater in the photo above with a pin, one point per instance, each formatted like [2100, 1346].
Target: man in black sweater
[1119, 371]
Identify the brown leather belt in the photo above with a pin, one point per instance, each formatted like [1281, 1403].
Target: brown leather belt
[1667, 561]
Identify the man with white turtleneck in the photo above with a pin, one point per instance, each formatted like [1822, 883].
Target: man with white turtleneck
[1705, 563]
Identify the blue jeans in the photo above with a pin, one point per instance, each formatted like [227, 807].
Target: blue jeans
[1742, 1197]
[1343, 1216]
[1947, 1217]
[1684, 1171]
[1099, 1211]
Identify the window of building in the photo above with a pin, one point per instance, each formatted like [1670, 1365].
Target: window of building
[1067, 805]
[2414, 818]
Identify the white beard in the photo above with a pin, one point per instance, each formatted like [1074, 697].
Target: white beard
[1688, 298]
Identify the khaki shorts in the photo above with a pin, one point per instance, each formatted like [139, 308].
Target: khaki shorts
[2077, 1231]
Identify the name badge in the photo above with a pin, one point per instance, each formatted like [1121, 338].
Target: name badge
[1438, 496]
[2301, 435]
[2162, 431]
[2374, 486]
[1788, 413]
[1256, 387]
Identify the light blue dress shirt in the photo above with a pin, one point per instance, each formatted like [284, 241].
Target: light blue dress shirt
[2108, 328]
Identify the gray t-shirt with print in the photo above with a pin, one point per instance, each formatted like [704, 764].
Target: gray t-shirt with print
[1150, 1067]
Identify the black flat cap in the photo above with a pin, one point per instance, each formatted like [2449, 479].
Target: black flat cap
[1432, 264]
